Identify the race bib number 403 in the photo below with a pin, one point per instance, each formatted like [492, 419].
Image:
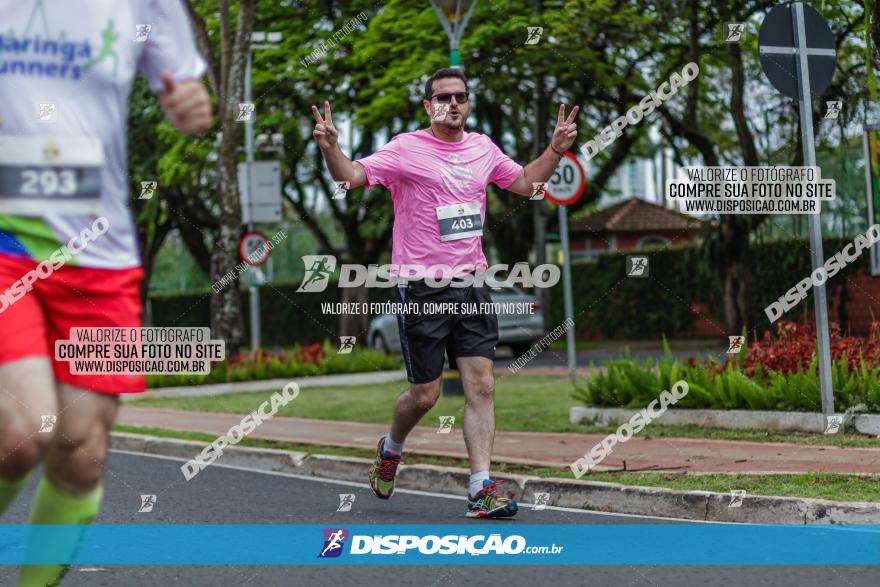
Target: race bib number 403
[459, 221]
[49, 174]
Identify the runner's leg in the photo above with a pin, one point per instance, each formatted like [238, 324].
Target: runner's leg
[478, 380]
[27, 392]
[411, 406]
[71, 490]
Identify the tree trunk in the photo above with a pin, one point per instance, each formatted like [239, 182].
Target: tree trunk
[355, 324]
[226, 320]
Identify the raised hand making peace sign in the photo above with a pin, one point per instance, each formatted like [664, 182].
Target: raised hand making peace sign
[566, 130]
[326, 135]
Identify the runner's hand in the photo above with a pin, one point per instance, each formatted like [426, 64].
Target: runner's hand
[566, 130]
[325, 133]
[186, 104]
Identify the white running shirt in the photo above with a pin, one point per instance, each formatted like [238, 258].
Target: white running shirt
[66, 73]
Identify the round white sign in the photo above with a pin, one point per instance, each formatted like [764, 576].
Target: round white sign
[254, 248]
[568, 181]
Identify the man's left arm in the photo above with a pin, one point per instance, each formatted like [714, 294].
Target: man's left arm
[541, 169]
[171, 63]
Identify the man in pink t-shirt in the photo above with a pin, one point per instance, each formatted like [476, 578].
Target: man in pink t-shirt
[437, 178]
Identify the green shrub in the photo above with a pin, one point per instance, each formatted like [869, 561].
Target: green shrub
[629, 384]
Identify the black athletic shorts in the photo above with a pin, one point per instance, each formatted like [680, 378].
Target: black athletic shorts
[424, 336]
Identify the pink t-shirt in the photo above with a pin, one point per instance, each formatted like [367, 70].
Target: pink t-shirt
[424, 173]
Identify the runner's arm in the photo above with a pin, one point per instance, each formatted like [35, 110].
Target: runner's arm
[541, 169]
[344, 169]
[327, 138]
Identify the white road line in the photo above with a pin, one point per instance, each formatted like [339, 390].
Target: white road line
[420, 492]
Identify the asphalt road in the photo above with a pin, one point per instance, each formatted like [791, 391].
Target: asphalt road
[223, 495]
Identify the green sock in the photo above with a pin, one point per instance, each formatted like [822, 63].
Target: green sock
[56, 506]
[9, 489]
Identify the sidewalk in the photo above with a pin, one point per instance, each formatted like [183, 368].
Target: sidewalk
[535, 448]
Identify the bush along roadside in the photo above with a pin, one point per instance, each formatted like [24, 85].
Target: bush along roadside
[770, 374]
[303, 361]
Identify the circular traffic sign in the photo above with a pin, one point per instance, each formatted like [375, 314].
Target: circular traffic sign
[568, 182]
[790, 31]
[254, 249]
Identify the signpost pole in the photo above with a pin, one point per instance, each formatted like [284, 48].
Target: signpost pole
[791, 35]
[567, 184]
[566, 286]
[816, 253]
[249, 158]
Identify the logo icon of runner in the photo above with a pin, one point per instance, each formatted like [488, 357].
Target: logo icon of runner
[734, 32]
[534, 33]
[637, 266]
[333, 542]
[833, 424]
[834, 107]
[141, 32]
[245, 111]
[542, 500]
[538, 190]
[48, 112]
[346, 345]
[318, 275]
[736, 498]
[446, 424]
[346, 500]
[341, 189]
[147, 503]
[148, 188]
[736, 343]
[48, 423]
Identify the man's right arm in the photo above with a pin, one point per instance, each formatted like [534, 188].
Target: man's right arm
[344, 169]
[327, 138]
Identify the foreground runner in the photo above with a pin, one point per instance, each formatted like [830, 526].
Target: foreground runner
[437, 175]
[66, 71]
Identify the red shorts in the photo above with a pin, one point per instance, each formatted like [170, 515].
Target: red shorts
[70, 297]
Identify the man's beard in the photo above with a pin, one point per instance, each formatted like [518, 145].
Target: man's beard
[453, 124]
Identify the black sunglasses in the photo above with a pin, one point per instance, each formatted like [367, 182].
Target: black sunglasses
[445, 98]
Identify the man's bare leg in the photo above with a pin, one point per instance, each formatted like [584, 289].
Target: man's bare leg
[71, 490]
[478, 380]
[27, 393]
[411, 407]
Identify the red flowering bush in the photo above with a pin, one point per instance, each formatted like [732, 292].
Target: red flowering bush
[794, 348]
[313, 353]
[772, 373]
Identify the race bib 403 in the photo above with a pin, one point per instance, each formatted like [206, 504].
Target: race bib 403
[459, 221]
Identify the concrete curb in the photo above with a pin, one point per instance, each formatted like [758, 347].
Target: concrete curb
[730, 419]
[588, 495]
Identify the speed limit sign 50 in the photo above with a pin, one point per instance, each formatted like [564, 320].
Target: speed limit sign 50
[254, 248]
[568, 182]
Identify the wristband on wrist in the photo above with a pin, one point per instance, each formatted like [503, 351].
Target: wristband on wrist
[557, 152]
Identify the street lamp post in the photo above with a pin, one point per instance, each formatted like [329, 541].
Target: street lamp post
[449, 13]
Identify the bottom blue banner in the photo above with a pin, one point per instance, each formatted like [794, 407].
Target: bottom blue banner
[489, 543]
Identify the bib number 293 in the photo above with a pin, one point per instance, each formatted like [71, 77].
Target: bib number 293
[48, 182]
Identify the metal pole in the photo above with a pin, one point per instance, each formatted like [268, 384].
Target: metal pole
[249, 158]
[815, 225]
[566, 289]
